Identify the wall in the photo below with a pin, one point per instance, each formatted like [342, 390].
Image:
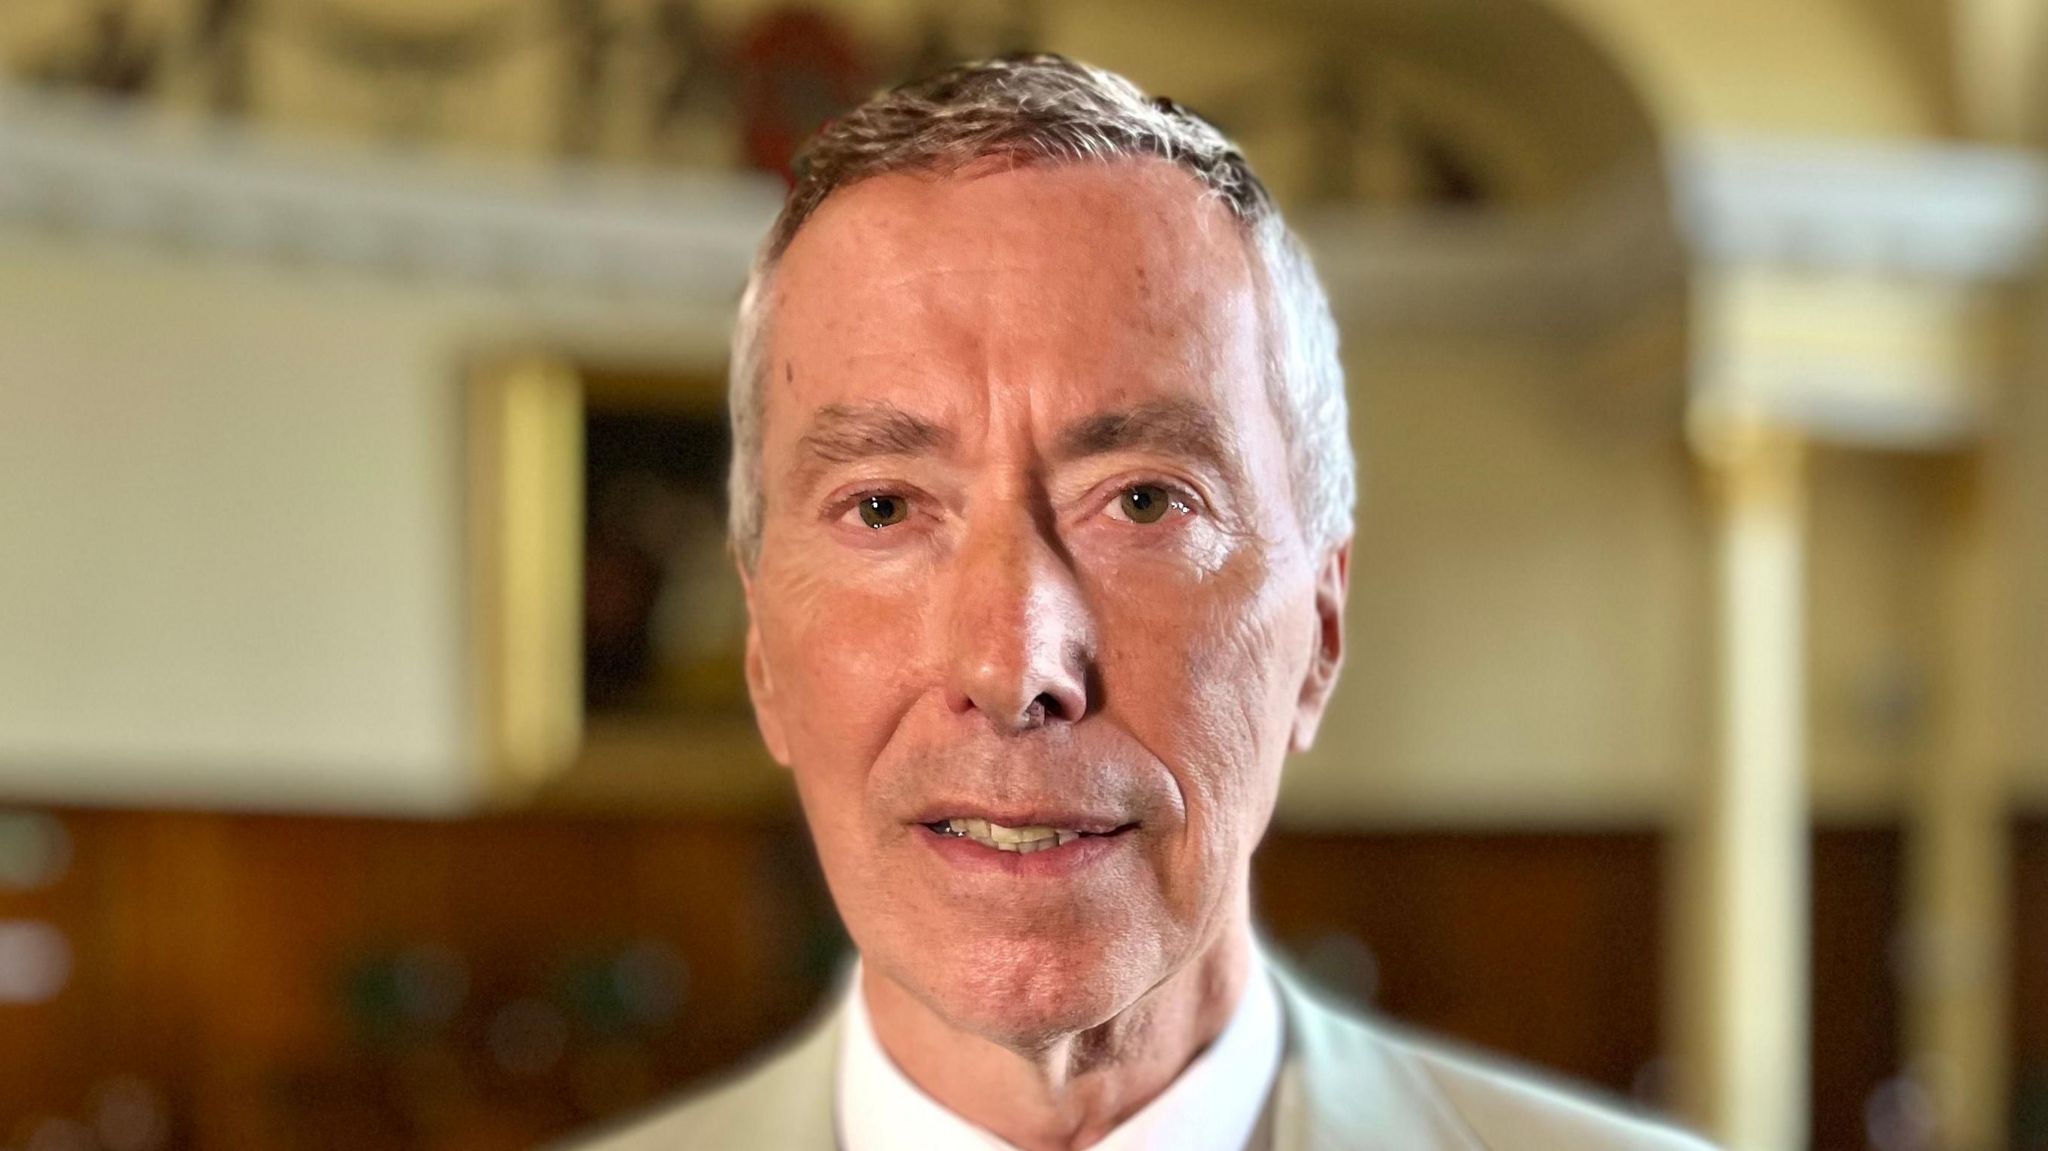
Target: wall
[198, 448]
[1526, 627]
[1879, 523]
[1822, 67]
[2019, 486]
[232, 521]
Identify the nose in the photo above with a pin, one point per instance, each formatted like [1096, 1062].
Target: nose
[1020, 637]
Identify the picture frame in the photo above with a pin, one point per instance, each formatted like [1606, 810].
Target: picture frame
[607, 614]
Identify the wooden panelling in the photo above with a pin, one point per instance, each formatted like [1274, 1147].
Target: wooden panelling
[1856, 892]
[288, 982]
[262, 974]
[1543, 946]
[2030, 985]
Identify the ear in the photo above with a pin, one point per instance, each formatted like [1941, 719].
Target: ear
[1333, 581]
[760, 683]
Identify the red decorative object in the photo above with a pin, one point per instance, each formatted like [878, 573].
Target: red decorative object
[797, 68]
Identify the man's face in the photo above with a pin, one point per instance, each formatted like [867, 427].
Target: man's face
[1030, 557]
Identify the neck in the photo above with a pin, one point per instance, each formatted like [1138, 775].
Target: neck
[1072, 1092]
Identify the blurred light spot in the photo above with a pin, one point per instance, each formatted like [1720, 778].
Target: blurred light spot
[650, 977]
[392, 995]
[35, 961]
[1900, 1116]
[60, 1135]
[129, 1115]
[431, 983]
[35, 850]
[528, 1037]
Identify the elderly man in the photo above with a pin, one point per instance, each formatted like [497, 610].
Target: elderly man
[1042, 497]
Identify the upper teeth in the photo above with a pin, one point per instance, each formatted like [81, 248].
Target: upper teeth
[1023, 840]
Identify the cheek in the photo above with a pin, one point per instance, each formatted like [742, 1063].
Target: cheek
[1203, 672]
[844, 663]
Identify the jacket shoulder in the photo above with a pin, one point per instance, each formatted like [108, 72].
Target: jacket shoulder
[1510, 1108]
[781, 1101]
[1440, 1096]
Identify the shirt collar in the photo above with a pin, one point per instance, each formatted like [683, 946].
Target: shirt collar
[1215, 1104]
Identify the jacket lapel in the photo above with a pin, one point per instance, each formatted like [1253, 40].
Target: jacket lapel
[795, 1110]
[1342, 1088]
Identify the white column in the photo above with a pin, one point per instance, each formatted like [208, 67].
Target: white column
[1746, 927]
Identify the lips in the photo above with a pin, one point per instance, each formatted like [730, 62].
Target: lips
[945, 811]
[1024, 839]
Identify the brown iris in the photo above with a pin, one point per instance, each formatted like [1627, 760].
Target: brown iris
[1146, 503]
[880, 511]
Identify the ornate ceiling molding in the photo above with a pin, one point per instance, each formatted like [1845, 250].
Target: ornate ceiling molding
[1569, 272]
[1857, 291]
[1938, 213]
[1944, 212]
[98, 168]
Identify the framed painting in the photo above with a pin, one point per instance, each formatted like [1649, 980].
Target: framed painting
[609, 620]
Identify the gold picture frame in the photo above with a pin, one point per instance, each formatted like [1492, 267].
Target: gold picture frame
[563, 718]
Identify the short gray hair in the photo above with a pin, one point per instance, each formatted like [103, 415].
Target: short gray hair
[1047, 109]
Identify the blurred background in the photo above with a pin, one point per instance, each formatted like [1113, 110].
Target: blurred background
[374, 766]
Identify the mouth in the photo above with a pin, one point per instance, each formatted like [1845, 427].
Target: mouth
[1026, 839]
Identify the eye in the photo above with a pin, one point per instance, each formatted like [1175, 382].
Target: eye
[1149, 503]
[882, 509]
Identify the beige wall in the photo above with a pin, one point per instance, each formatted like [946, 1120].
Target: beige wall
[231, 540]
[1526, 627]
[234, 558]
[1531, 638]
[1826, 67]
[1880, 527]
[234, 552]
[2022, 527]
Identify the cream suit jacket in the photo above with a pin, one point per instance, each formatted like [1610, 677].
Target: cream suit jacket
[1345, 1085]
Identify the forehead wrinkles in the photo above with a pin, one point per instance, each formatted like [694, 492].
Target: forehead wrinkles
[1073, 222]
[1120, 274]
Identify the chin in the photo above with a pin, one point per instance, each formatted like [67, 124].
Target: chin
[1025, 994]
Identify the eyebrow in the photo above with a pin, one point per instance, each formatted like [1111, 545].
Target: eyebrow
[846, 433]
[1178, 428]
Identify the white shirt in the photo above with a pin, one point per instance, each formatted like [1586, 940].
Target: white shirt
[1215, 1104]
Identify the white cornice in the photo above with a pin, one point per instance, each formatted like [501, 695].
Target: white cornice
[138, 175]
[95, 168]
[1930, 213]
[1570, 270]
[1946, 212]
[1856, 290]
